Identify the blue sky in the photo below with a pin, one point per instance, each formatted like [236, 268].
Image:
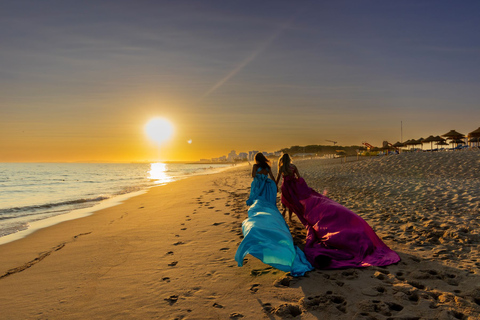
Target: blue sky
[78, 79]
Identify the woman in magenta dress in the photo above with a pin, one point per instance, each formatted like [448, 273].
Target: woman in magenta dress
[336, 236]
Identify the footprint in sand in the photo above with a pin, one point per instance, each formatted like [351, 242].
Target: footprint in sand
[283, 281]
[267, 307]
[169, 252]
[166, 279]
[183, 229]
[172, 299]
[416, 284]
[236, 315]
[216, 305]
[178, 243]
[172, 264]
[258, 272]
[381, 307]
[400, 275]
[350, 274]
[374, 291]
[254, 288]
[218, 223]
[224, 249]
[287, 310]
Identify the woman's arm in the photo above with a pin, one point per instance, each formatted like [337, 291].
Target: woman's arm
[295, 171]
[277, 180]
[254, 170]
[271, 174]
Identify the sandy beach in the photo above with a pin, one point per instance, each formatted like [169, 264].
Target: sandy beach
[169, 253]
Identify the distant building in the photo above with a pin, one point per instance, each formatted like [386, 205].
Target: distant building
[243, 156]
[251, 155]
[232, 156]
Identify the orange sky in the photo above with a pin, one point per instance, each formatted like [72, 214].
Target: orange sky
[78, 83]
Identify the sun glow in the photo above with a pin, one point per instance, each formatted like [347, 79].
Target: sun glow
[159, 130]
[158, 172]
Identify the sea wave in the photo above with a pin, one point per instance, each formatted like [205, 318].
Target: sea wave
[32, 192]
[34, 208]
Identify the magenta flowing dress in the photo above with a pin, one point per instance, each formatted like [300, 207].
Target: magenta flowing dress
[336, 236]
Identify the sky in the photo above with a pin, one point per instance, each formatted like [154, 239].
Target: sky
[79, 80]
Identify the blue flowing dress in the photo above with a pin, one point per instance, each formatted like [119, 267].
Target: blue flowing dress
[266, 234]
[262, 187]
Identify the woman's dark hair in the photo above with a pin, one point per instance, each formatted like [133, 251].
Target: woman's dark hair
[262, 161]
[284, 164]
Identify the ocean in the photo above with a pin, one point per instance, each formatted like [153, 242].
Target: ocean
[32, 194]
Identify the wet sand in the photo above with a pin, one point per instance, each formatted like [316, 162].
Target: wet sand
[169, 254]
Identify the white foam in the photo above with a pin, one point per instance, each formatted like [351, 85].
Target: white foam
[75, 214]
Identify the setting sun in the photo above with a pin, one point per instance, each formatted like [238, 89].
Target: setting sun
[159, 130]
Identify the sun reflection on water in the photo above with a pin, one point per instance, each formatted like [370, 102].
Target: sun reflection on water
[158, 172]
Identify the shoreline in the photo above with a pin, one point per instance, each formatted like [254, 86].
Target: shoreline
[84, 212]
[169, 253]
[71, 215]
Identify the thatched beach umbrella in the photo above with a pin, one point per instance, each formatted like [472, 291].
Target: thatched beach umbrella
[474, 133]
[439, 139]
[419, 142]
[453, 135]
[442, 143]
[398, 145]
[407, 143]
[429, 139]
[412, 142]
[474, 140]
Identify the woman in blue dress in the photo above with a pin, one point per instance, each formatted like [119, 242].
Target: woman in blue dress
[266, 234]
[263, 184]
